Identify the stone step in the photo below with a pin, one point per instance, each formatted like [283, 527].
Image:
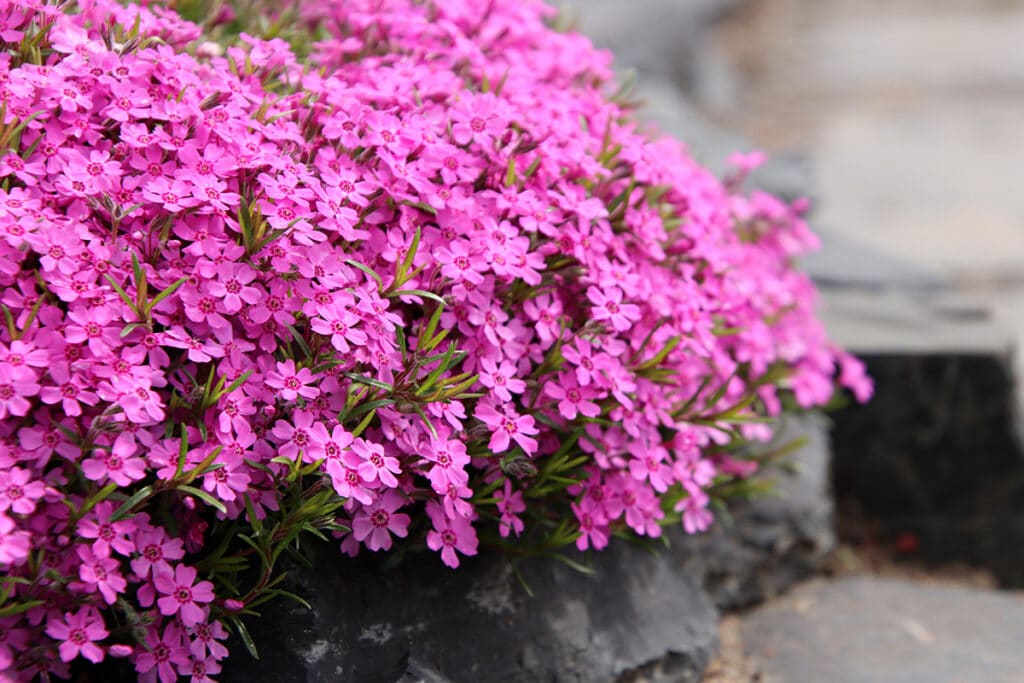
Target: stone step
[884, 630]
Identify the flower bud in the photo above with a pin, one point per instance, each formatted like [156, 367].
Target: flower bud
[234, 605]
[120, 650]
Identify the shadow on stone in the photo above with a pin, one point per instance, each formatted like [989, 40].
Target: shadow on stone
[936, 455]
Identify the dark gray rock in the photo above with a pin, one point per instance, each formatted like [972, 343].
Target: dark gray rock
[870, 629]
[936, 455]
[770, 542]
[636, 618]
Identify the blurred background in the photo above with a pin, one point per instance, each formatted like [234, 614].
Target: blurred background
[903, 121]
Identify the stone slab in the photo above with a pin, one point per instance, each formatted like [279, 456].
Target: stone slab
[879, 630]
[636, 618]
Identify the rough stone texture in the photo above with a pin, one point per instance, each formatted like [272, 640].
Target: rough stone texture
[870, 629]
[771, 543]
[636, 618]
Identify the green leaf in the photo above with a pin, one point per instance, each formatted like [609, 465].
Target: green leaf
[510, 173]
[126, 507]
[422, 206]
[369, 381]
[203, 496]
[277, 592]
[417, 292]
[444, 365]
[182, 451]
[120, 292]
[171, 289]
[237, 383]
[426, 420]
[569, 562]
[300, 341]
[247, 640]
[97, 498]
[366, 269]
[18, 608]
[371, 405]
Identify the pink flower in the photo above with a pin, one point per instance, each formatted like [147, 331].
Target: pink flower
[101, 574]
[292, 383]
[501, 379]
[155, 552]
[78, 633]
[507, 426]
[588, 364]
[374, 465]
[449, 535]
[592, 523]
[375, 524]
[182, 595]
[449, 459]
[608, 306]
[164, 653]
[16, 387]
[459, 264]
[107, 535]
[302, 435]
[71, 392]
[205, 637]
[572, 398]
[234, 286]
[15, 543]
[109, 465]
[18, 492]
[510, 504]
[200, 670]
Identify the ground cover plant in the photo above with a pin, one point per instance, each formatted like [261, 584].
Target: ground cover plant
[414, 277]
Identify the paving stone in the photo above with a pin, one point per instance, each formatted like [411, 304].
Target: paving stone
[879, 630]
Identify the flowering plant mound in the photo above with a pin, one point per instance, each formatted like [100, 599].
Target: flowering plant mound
[429, 283]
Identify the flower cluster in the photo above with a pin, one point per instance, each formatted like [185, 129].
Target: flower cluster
[430, 282]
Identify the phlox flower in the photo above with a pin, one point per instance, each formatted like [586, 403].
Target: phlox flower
[17, 385]
[78, 632]
[15, 543]
[448, 465]
[375, 524]
[607, 305]
[510, 504]
[292, 383]
[110, 465]
[101, 574]
[374, 465]
[506, 426]
[572, 398]
[155, 551]
[72, 390]
[19, 493]
[107, 535]
[450, 535]
[501, 379]
[182, 595]
[205, 637]
[164, 653]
